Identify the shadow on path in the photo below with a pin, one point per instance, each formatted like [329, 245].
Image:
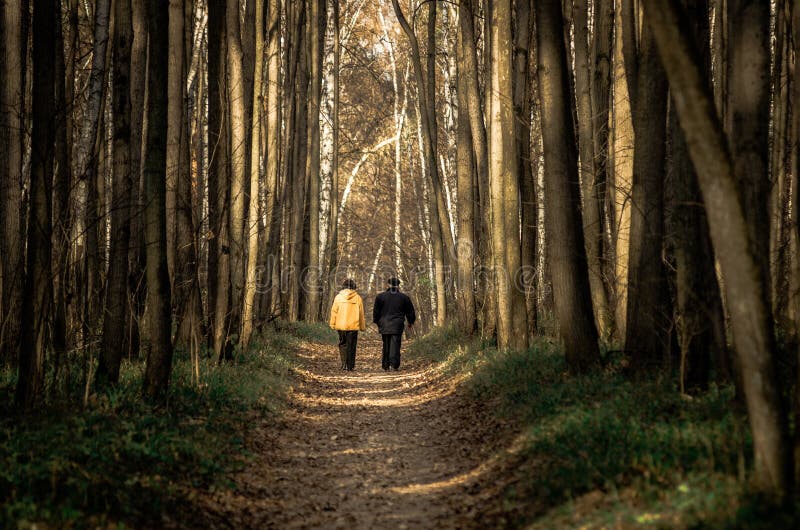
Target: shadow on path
[364, 449]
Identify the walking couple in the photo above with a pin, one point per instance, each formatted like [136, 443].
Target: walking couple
[390, 312]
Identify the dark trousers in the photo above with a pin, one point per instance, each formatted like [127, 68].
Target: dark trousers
[391, 351]
[347, 348]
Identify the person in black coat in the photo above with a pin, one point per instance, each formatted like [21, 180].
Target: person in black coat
[392, 309]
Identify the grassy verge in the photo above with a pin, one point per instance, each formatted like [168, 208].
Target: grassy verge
[603, 451]
[115, 460]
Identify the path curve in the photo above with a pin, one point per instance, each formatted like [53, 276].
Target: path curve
[365, 449]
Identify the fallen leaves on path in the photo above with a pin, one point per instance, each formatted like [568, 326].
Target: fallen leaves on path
[365, 449]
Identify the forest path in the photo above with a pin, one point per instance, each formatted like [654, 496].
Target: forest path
[365, 449]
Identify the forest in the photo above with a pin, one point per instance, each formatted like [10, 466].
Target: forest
[593, 205]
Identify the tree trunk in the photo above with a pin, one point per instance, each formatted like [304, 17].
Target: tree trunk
[565, 246]
[511, 311]
[592, 204]
[329, 191]
[465, 248]
[159, 359]
[218, 179]
[317, 23]
[12, 59]
[61, 186]
[298, 172]
[237, 105]
[136, 258]
[744, 282]
[480, 147]
[272, 213]
[523, 25]
[428, 118]
[649, 318]
[88, 150]
[795, 204]
[248, 307]
[35, 314]
[749, 104]
[117, 289]
[621, 174]
[701, 322]
[175, 129]
[188, 303]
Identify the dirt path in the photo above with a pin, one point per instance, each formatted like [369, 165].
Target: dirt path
[363, 449]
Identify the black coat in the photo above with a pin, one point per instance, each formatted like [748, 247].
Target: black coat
[391, 310]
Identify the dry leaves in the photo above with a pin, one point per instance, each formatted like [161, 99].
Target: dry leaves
[363, 449]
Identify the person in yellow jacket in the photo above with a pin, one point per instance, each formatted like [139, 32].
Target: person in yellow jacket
[347, 317]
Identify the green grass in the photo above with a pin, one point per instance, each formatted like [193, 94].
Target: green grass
[643, 454]
[117, 460]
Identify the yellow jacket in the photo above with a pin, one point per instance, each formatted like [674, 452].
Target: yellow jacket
[347, 313]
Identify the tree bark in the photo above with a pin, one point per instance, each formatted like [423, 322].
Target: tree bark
[701, 322]
[621, 171]
[649, 309]
[117, 289]
[159, 358]
[428, 118]
[254, 211]
[237, 105]
[137, 282]
[511, 311]
[12, 66]
[87, 153]
[186, 284]
[218, 179]
[523, 90]
[744, 282]
[465, 247]
[35, 313]
[317, 23]
[272, 213]
[592, 204]
[61, 186]
[297, 171]
[749, 103]
[175, 129]
[480, 147]
[565, 246]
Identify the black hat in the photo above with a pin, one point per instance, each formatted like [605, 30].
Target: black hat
[393, 282]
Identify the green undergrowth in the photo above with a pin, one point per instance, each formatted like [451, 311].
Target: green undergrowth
[113, 459]
[603, 450]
